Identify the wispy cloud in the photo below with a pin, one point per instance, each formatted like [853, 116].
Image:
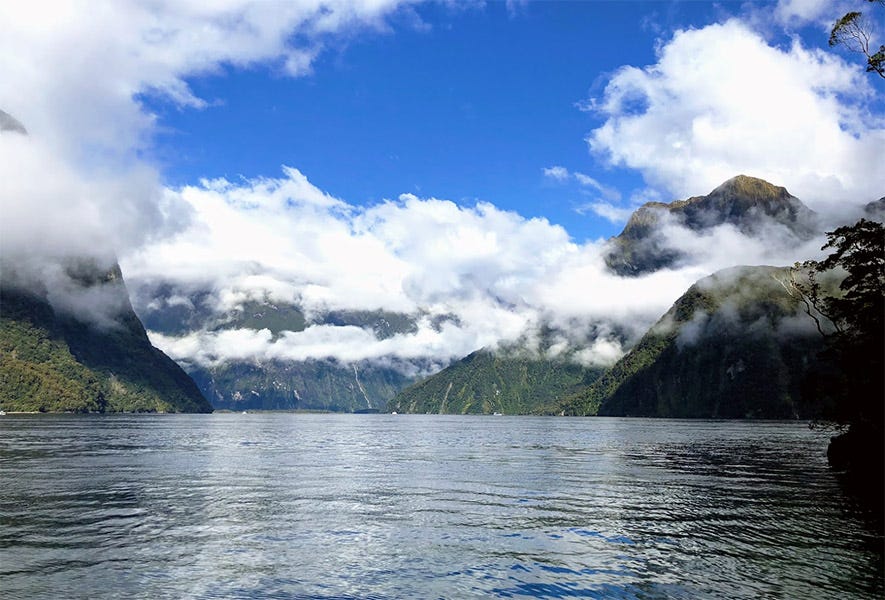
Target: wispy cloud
[556, 173]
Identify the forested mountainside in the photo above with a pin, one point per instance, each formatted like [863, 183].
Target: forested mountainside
[59, 361]
[737, 344]
[487, 382]
[283, 384]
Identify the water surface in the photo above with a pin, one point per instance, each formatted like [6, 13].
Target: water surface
[385, 506]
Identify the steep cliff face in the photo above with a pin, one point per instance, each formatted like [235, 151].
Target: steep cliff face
[735, 345]
[751, 205]
[92, 355]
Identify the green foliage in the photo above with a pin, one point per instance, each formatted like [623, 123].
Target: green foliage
[487, 382]
[855, 32]
[726, 349]
[55, 363]
[854, 382]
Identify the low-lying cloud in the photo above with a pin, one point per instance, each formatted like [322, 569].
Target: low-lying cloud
[469, 276]
[719, 101]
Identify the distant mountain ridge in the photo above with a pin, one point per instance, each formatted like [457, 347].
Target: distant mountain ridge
[748, 203]
[487, 382]
[58, 361]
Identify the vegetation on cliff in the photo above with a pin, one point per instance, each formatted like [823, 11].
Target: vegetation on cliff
[487, 382]
[281, 384]
[853, 380]
[735, 345]
[52, 361]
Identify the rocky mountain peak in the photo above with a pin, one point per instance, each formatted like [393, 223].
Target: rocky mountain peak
[750, 204]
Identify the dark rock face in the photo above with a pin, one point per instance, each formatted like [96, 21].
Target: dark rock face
[299, 385]
[875, 211]
[748, 203]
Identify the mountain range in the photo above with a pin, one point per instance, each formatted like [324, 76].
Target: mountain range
[758, 347]
[279, 384]
[734, 345]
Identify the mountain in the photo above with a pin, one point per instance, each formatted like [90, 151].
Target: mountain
[487, 382]
[875, 210]
[751, 205]
[280, 384]
[299, 385]
[65, 360]
[736, 345]
[10, 123]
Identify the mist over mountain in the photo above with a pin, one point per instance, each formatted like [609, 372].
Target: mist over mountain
[660, 235]
[512, 379]
[86, 353]
[278, 382]
[69, 339]
[433, 283]
[737, 344]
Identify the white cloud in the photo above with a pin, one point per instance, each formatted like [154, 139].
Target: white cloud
[556, 172]
[72, 75]
[799, 12]
[721, 101]
[608, 211]
[489, 276]
[76, 185]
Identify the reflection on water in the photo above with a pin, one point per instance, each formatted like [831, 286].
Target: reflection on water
[380, 506]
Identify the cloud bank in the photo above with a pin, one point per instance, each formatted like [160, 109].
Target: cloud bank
[74, 130]
[721, 101]
[470, 276]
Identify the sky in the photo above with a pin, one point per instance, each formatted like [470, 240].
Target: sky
[434, 158]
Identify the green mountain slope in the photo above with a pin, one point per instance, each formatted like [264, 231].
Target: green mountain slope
[735, 345]
[486, 382]
[748, 203]
[51, 361]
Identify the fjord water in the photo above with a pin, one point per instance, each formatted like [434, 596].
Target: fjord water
[385, 506]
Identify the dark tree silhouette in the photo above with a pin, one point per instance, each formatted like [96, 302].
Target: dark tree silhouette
[852, 373]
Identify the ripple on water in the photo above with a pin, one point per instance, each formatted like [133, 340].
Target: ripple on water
[343, 506]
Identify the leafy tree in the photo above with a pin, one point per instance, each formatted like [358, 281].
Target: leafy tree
[854, 32]
[855, 382]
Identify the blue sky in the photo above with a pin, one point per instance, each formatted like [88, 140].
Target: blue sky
[437, 159]
[470, 104]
